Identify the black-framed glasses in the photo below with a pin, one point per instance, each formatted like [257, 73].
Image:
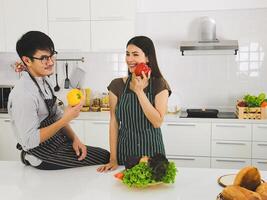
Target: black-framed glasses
[44, 59]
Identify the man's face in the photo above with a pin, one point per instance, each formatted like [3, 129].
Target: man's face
[41, 63]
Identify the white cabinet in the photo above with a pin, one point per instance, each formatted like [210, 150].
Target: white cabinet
[70, 36]
[229, 163]
[68, 10]
[21, 17]
[113, 10]
[8, 142]
[78, 127]
[185, 161]
[2, 28]
[97, 133]
[188, 139]
[231, 145]
[188, 144]
[223, 131]
[69, 25]
[111, 35]
[259, 146]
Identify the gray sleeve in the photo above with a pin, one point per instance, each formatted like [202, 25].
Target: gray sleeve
[23, 112]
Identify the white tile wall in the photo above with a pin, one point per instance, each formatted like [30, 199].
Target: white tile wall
[196, 81]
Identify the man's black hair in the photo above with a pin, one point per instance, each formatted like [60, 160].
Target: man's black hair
[32, 41]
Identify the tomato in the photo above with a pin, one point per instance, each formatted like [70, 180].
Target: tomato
[74, 97]
[119, 175]
[142, 67]
[264, 104]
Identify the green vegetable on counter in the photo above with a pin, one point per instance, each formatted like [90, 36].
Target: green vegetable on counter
[157, 170]
[254, 101]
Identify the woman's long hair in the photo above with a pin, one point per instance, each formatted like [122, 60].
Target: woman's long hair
[148, 48]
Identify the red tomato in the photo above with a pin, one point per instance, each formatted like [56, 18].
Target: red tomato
[141, 67]
[264, 104]
[119, 175]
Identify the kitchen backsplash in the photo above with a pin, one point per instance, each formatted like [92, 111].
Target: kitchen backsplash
[196, 81]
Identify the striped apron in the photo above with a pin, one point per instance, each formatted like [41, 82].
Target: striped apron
[137, 136]
[57, 152]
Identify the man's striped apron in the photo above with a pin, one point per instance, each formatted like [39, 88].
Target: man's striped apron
[137, 136]
[57, 152]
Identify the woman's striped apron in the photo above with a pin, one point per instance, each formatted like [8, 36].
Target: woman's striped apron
[57, 152]
[137, 136]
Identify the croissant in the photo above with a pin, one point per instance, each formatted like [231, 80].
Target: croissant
[248, 177]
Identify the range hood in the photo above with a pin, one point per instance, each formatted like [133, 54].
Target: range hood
[209, 44]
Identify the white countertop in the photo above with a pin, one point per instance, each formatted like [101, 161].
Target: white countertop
[169, 118]
[19, 182]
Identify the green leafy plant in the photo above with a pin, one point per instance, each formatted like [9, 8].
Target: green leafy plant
[141, 175]
[254, 101]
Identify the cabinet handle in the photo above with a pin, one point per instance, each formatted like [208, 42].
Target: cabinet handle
[265, 145]
[231, 143]
[236, 161]
[104, 122]
[262, 126]
[191, 125]
[181, 158]
[7, 120]
[68, 18]
[231, 125]
[110, 18]
[262, 162]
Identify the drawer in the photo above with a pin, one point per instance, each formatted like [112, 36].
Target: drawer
[259, 150]
[231, 149]
[260, 164]
[259, 132]
[187, 139]
[222, 131]
[198, 162]
[230, 163]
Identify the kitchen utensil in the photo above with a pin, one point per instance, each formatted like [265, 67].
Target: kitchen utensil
[202, 113]
[77, 77]
[56, 88]
[67, 80]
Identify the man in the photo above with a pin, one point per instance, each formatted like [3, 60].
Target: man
[43, 132]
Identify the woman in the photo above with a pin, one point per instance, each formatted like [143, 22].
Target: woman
[43, 132]
[138, 105]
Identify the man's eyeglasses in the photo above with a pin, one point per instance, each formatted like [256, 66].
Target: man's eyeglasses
[44, 59]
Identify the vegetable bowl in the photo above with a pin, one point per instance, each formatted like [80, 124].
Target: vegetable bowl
[143, 172]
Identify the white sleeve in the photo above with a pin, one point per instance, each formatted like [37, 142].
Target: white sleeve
[24, 117]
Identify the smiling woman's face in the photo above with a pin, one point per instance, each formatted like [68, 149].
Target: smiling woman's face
[134, 56]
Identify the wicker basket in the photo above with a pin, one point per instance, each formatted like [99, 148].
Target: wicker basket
[250, 112]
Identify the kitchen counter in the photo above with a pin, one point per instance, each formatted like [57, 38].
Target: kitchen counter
[169, 118]
[19, 182]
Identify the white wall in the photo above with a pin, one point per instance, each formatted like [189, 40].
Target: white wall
[196, 81]
[210, 81]
[194, 5]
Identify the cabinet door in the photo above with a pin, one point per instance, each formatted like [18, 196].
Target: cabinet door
[222, 131]
[182, 161]
[113, 10]
[68, 10]
[260, 132]
[70, 36]
[97, 134]
[260, 164]
[21, 17]
[187, 139]
[230, 163]
[78, 128]
[111, 35]
[232, 149]
[8, 142]
[2, 28]
[259, 150]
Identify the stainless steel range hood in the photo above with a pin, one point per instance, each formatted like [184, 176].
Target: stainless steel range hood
[209, 44]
